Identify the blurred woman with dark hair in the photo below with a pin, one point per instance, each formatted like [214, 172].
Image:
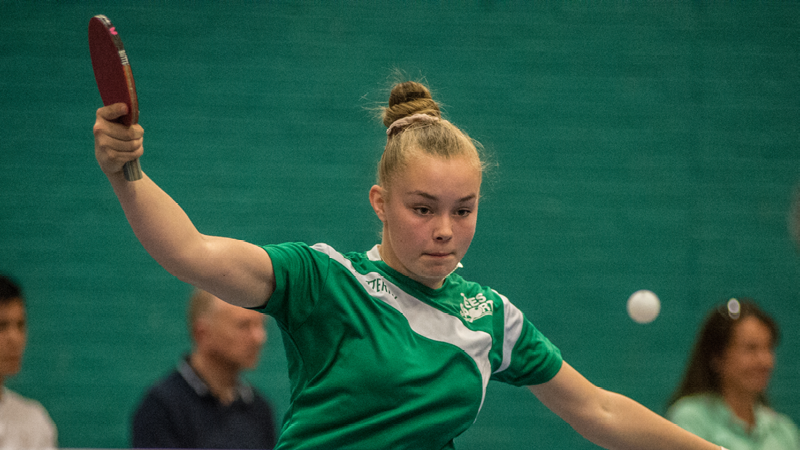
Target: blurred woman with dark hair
[722, 396]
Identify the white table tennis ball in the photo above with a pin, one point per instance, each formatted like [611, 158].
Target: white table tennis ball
[643, 306]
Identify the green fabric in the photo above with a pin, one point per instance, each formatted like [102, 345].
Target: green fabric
[377, 360]
[708, 416]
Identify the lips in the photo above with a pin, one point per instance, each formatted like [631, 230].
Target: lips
[438, 254]
[762, 375]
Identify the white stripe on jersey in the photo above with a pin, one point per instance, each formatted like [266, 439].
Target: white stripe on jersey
[512, 329]
[424, 319]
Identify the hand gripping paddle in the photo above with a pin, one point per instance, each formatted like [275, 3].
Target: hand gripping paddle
[112, 71]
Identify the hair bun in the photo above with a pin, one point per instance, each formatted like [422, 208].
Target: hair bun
[407, 99]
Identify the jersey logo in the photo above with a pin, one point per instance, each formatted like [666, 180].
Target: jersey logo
[476, 307]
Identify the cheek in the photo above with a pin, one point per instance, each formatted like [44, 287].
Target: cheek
[467, 230]
[404, 225]
[13, 339]
[738, 366]
[407, 236]
[725, 366]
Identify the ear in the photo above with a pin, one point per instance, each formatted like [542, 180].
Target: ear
[377, 198]
[199, 330]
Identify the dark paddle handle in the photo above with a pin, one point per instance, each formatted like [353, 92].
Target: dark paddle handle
[132, 170]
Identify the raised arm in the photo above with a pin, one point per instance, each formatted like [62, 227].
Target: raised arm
[611, 420]
[233, 270]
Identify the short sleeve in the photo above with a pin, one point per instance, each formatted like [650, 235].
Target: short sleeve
[300, 272]
[529, 358]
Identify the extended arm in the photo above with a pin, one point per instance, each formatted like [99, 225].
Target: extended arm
[611, 420]
[233, 270]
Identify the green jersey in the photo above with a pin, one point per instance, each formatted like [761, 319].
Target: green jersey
[377, 360]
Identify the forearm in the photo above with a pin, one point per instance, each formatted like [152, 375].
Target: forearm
[611, 420]
[626, 424]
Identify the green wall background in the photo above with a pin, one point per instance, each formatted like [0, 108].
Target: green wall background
[639, 145]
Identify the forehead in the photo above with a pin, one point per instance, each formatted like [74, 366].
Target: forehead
[436, 176]
[12, 309]
[751, 330]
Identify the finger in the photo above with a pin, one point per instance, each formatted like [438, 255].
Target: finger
[112, 112]
[103, 127]
[128, 154]
[116, 158]
[122, 145]
[111, 154]
[126, 133]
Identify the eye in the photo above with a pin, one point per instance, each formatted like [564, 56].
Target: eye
[463, 212]
[422, 210]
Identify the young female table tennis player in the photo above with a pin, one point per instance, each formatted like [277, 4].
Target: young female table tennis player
[388, 348]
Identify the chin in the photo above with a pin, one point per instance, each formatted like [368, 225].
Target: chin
[433, 278]
[762, 387]
[7, 370]
[249, 365]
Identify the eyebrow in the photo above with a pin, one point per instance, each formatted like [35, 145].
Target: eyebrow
[432, 197]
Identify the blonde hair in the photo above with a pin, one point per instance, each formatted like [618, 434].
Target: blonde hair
[436, 137]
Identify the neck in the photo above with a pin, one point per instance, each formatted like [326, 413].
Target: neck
[390, 259]
[221, 378]
[742, 404]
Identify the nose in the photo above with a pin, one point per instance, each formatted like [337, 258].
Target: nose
[16, 336]
[767, 359]
[443, 230]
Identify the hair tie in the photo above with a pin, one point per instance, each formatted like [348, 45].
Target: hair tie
[399, 125]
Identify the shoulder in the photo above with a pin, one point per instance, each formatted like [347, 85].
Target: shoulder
[777, 419]
[293, 259]
[693, 410]
[170, 380]
[695, 402]
[301, 249]
[26, 410]
[260, 400]
[476, 298]
[456, 283]
[168, 388]
[21, 403]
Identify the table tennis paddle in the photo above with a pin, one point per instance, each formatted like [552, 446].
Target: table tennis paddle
[114, 77]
